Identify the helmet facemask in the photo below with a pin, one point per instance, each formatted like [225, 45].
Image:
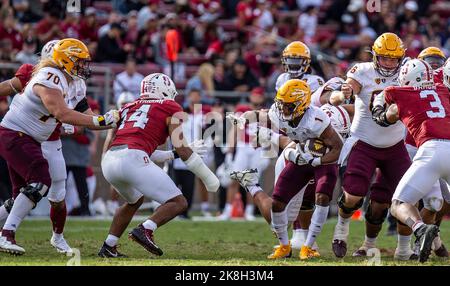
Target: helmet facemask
[434, 61]
[384, 71]
[82, 69]
[295, 66]
[287, 110]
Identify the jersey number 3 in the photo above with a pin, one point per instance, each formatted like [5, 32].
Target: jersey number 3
[139, 117]
[435, 103]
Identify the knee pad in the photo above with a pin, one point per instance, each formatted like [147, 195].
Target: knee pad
[9, 204]
[433, 204]
[348, 210]
[307, 206]
[57, 191]
[375, 220]
[35, 192]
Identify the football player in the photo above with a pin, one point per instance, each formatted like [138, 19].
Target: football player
[424, 108]
[369, 147]
[32, 119]
[144, 125]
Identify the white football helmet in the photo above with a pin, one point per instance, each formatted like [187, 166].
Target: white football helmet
[339, 117]
[124, 98]
[446, 73]
[47, 49]
[416, 73]
[158, 86]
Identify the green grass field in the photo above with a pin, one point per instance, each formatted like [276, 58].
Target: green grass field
[192, 243]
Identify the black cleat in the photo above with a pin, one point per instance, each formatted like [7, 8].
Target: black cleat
[441, 251]
[339, 248]
[110, 252]
[144, 237]
[425, 236]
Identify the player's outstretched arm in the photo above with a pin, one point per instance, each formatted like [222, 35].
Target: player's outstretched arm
[193, 161]
[54, 102]
[350, 88]
[10, 87]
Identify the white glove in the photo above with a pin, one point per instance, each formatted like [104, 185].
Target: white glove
[298, 157]
[237, 120]
[110, 118]
[199, 147]
[265, 137]
[68, 129]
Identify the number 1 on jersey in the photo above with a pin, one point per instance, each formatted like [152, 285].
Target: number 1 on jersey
[139, 117]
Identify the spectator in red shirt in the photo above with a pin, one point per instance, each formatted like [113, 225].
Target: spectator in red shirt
[89, 27]
[144, 51]
[244, 11]
[131, 28]
[71, 25]
[8, 31]
[49, 28]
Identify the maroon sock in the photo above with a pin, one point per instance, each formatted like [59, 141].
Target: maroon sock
[58, 218]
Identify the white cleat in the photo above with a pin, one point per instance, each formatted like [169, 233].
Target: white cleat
[405, 256]
[60, 244]
[223, 217]
[10, 247]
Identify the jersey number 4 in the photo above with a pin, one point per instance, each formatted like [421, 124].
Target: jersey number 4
[139, 117]
[435, 103]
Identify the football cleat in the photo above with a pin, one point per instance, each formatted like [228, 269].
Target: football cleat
[8, 243]
[424, 237]
[246, 178]
[339, 248]
[60, 244]
[144, 237]
[405, 255]
[361, 252]
[281, 251]
[110, 252]
[307, 252]
[441, 251]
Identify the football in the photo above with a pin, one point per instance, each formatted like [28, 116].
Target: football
[315, 147]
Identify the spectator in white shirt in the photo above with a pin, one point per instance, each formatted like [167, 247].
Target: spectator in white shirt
[303, 4]
[307, 24]
[265, 17]
[147, 13]
[128, 80]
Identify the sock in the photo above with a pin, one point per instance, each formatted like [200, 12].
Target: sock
[3, 213]
[317, 221]
[369, 242]
[111, 240]
[57, 236]
[250, 209]
[149, 224]
[204, 206]
[404, 243]
[279, 225]
[227, 209]
[58, 218]
[22, 206]
[253, 190]
[437, 243]
[417, 225]
[341, 229]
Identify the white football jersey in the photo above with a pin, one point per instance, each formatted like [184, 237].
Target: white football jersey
[77, 92]
[313, 81]
[27, 112]
[363, 126]
[312, 125]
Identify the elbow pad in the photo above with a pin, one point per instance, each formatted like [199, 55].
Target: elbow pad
[195, 165]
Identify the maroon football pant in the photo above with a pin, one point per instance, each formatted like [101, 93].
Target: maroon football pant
[363, 160]
[26, 164]
[294, 177]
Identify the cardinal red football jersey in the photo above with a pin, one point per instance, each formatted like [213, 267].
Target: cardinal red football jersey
[425, 112]
[143, 124]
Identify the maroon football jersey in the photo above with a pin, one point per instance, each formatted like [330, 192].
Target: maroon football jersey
[24, 74]
[438, 76]
[143, 124]
[425, 112]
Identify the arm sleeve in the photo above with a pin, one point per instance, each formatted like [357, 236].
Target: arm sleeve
[82, 106]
